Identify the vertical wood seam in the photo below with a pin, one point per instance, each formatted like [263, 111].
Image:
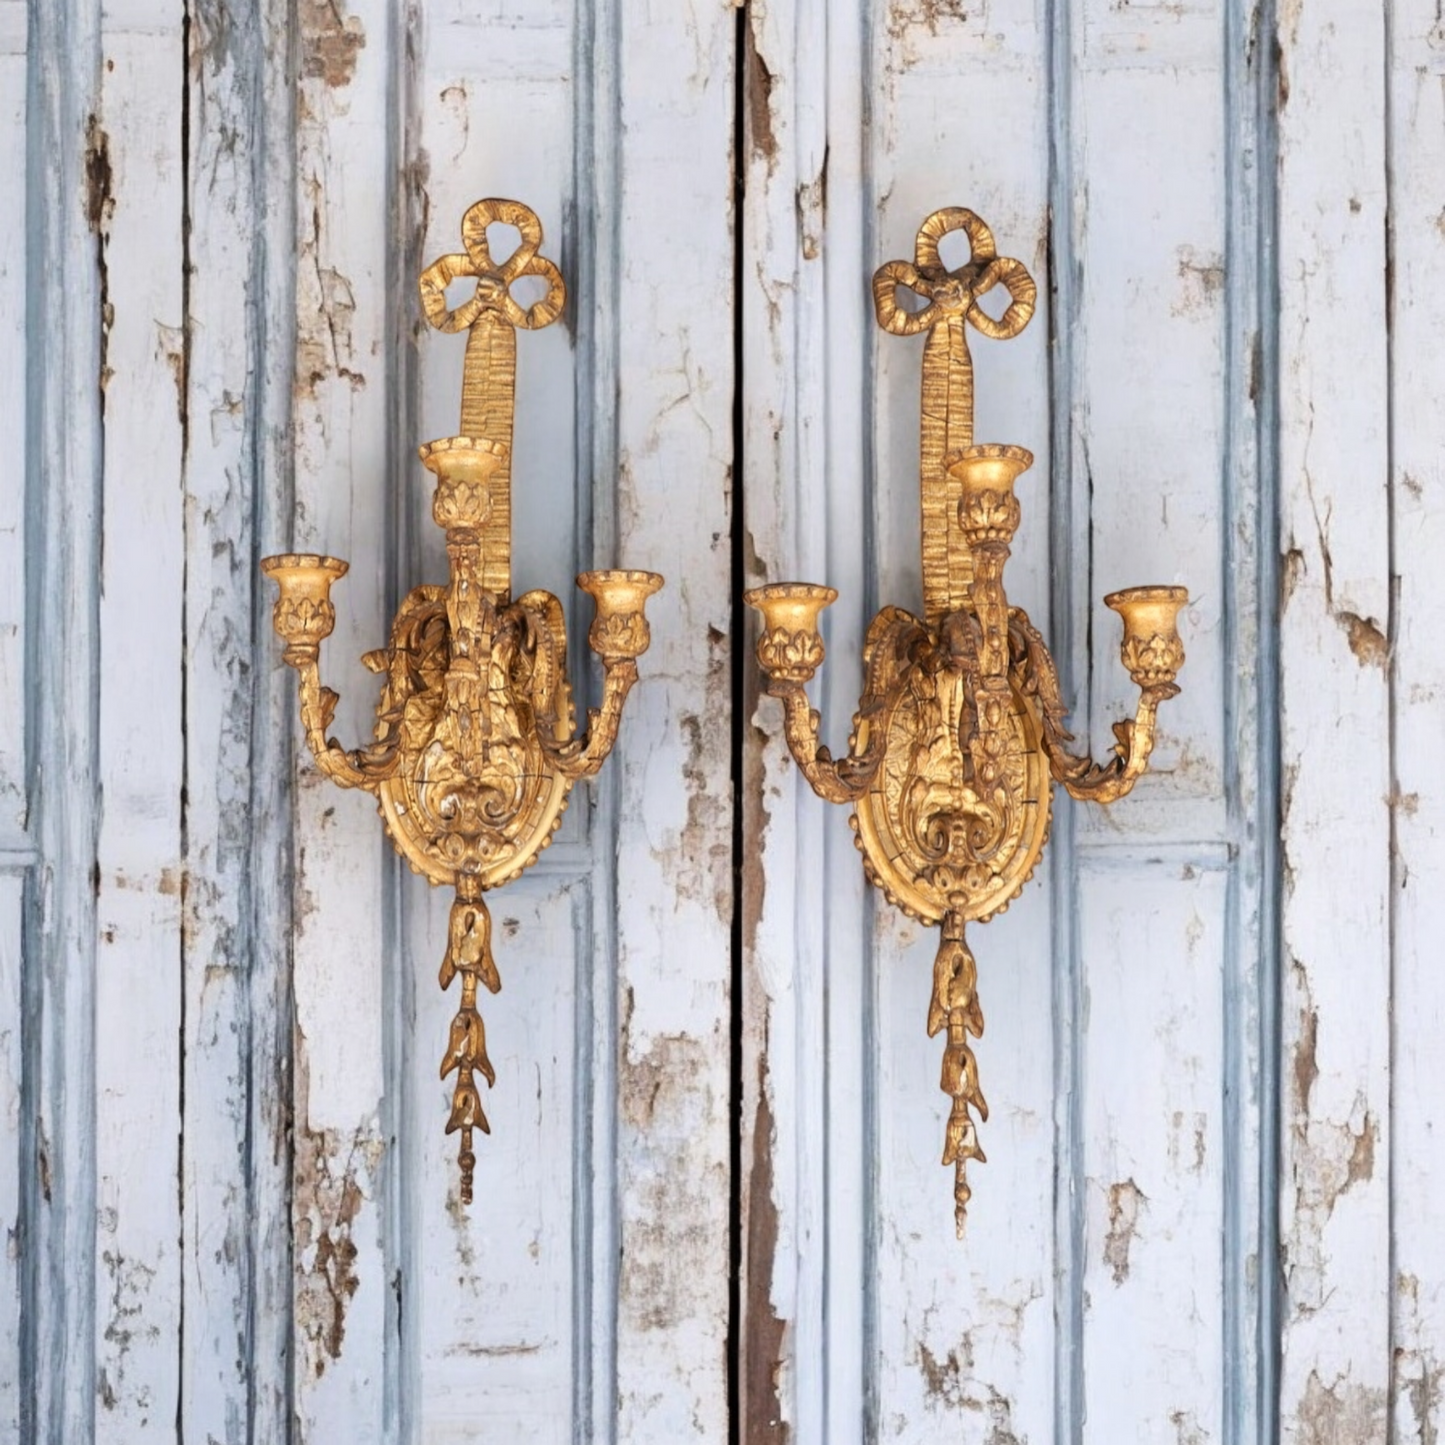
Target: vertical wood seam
[1269, 820]
[1392, 625]
[401, 559]
[1064, 863]
[65, 286]
[871, 507]
[595, 213]
[268, 902]
[1250, 496]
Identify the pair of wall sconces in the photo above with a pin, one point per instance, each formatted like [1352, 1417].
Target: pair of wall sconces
[958, 737]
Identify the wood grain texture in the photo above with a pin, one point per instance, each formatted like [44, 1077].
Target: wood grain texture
[343, 470]
[1335, 536]
[789, 254]
[141, 880]
[13, 150]
[674, 492]
[223, 1185]
[66, 183]
[16, 852]
[235, 1033]
[12, 1384]
[1416, 315]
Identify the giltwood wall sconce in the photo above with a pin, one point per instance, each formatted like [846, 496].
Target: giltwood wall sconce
[961, 723]
[475, 749]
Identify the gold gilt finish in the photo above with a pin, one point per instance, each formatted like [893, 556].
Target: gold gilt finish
[960, 729]
[475, 747]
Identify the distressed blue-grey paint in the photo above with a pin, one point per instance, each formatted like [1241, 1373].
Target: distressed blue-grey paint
[63, 530]
[1250, 506]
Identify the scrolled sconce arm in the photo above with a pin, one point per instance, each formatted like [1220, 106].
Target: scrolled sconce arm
[582, 756]
[843, 781]
[1108, 782]
[619, 635]
[304, 617]
[350, 768]
[790, 650]
[1153, 658]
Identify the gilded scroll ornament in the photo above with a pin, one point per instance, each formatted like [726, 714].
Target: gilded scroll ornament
[476, 747]
[960, 733]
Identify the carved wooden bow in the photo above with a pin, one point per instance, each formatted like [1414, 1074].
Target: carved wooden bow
[489, 375]
[951, 299]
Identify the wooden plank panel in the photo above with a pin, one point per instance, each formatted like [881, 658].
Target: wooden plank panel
[938, 1335]
[11, 1101]
[341, 415]
[237, 913]
[1417, 479]
[14, 844]
[1334, 535]
[964, 1332]
[12, 418]
[1151, 410]
[65, 305]
[494, 1284]
[796, 145]
[1153, 1121]
[672, 247]
[142, 745]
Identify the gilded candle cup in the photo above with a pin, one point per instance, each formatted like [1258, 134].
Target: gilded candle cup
[619, 630]
[789, 647]
[303, 615]
[464, 469]
[1151, 649]
[988, 511]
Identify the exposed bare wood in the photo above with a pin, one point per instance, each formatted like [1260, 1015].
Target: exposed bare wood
[141, 873]
[343, 476]
[1335, 721]
[1416, 317]
[235, 1077]
[65, 320]
[674, 844]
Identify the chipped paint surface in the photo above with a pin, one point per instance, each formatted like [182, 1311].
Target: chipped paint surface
[1126, 1200]
[764, 1349]
[334, 1175]
[330, 40]
[228, 1214]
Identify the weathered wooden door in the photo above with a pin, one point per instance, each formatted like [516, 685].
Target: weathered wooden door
[710, 1207]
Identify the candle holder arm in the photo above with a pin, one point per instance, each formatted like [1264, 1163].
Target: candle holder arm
[574, 755]
[304, 618]
[1079, 774]
[843, 781]
[318, 706]
[887, 657]
[581, 757]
